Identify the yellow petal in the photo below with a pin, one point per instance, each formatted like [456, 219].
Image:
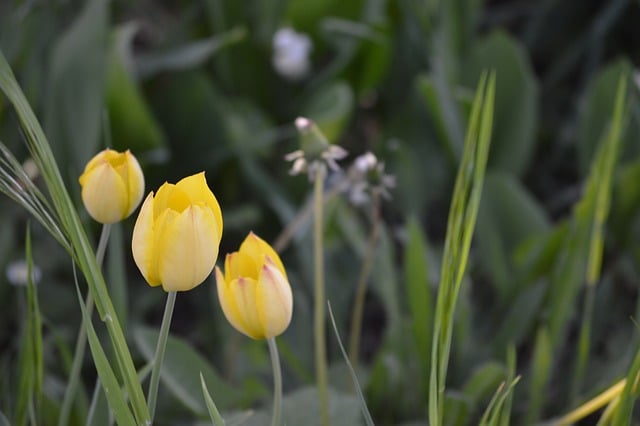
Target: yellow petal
[238, 264]
[170, 197]
[188, 249]
[257, 248]
[227, 303]
[143, 241]
[243, 294]
[104, 194]
[198, 191]
[135, 181]
[274, 300]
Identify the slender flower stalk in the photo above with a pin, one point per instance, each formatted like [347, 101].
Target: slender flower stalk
[81, 341]
[277, 382]
[319, 296]
[159, 356]
[361, 289]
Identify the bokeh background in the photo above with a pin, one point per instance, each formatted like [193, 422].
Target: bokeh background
[216, 85]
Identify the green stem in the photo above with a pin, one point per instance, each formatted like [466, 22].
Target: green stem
[81, 341]
[361, 289]
[319, 312]
[277, 381]
[159, 357]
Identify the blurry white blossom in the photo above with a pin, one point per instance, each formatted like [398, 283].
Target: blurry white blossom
[291, 53]
[17, 273]
[368, 177]
[316, 152]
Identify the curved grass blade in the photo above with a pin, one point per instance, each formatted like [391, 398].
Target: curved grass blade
[216, 418]
[363, 403]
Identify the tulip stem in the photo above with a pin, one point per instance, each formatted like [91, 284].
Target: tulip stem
[361, 289]
[159, 357]
[319, 312]
[277, 381]
[81, 341]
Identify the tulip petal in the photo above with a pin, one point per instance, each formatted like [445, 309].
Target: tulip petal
[229, 307]
[198, 191]
[257, 248]
[104, 194]
[170, 197]
[240, 265]
[143, 242]
[243, 296]
[187, 249]
[274, 300]
[135, 180]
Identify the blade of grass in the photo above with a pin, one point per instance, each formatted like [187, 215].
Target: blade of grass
[112, 390]
[595, 207]
[216, 418]
[82, 251]
[30, 362]
[363, 403]
[460, 225]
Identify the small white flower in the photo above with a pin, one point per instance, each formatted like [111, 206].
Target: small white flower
[17, 273]
[291, 53]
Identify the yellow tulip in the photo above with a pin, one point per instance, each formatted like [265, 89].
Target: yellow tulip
[254, 291]
[177, 234]
[112, 185]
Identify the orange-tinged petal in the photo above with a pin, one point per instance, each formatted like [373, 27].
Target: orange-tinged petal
[255, 247]
[243, 294]
[104, 194]
[274, 300]
[188, 249]
[198, 191]
[143, 242]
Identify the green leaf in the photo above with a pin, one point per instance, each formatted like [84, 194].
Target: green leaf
[76, 85]
[132, 124]
[3, 420]
[480, 386]
[302, 407]
[330, 107]
[595, 111]
[181, 372]
[419, 296]
[508, 215]
[516, 103]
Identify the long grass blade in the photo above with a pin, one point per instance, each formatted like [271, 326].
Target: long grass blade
[461, 222]
[216, 418]
[363, 403]
[112, 390]
[82, 251]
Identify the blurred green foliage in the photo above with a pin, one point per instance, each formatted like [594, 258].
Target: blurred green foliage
[191, 85]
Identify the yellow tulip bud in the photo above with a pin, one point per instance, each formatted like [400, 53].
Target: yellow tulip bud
[254, 291]
[112, 185]
[177, 234]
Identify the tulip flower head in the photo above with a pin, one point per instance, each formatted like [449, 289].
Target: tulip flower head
[254, 291]
[112, 185]
[177, 234]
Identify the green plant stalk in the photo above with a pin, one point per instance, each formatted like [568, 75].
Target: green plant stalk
[214, 414]
[81, 341]
[319, 296]
[159, 356]
[277, 382]
[361, 289]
